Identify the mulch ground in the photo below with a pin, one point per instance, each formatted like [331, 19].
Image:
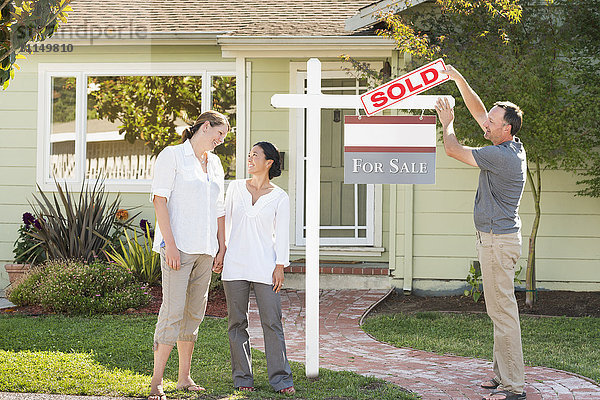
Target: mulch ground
[552, 303]
[216, 307]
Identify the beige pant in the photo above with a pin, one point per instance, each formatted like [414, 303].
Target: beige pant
[185, 294]
[498, 255]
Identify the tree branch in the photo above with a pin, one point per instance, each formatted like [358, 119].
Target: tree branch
[37, 31]
[4, 4]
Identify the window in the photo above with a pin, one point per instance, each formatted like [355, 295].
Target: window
[107, 122]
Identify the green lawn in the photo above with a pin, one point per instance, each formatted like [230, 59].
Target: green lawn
[569, 344]
[112, 355]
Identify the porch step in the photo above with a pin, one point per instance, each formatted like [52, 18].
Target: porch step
[343, 269]
[341, 275]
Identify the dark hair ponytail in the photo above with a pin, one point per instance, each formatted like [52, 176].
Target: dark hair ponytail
[271, 153]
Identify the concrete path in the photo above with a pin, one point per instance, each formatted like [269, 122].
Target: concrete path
[345, 347]
[4, 303]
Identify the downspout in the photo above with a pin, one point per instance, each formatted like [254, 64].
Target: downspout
[393, 190]
[393, 221]
[408, 237]
[408, 218]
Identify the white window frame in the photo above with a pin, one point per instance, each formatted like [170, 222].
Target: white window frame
[374, 192]
[81, 71]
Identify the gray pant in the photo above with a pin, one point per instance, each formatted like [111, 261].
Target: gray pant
[269, 309]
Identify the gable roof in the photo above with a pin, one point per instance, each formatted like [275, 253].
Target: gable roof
[218, 17]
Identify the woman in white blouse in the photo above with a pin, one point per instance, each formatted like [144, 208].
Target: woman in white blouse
[188, 198]
[257, 231]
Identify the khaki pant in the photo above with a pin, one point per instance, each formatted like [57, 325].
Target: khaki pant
[498, 255]
[185, 294]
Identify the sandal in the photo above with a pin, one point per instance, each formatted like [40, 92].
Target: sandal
[507, 395]
[192, 388]
[287, 390]
[491, 384]
[245, 388]
[160, 396]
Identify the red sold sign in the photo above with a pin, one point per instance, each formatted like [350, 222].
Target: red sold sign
[414, 82]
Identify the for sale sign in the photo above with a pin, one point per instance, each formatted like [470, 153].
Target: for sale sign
[389, 149]
[414, 82]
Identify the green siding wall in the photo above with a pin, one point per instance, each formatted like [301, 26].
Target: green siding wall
[267, 77]
[443, 234]
[18, 128]
[568, 243]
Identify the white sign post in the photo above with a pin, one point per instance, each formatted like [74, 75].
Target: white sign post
[314, 101]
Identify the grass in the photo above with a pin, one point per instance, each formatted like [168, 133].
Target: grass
[112, 355]
[569, 344]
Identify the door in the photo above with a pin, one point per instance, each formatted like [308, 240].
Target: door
[347, 211]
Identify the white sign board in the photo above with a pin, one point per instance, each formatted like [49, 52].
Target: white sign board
[389, 149]
[414, 82]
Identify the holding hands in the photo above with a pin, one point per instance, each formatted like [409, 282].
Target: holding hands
[217, 267]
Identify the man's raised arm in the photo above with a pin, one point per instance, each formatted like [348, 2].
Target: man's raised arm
[472, 100]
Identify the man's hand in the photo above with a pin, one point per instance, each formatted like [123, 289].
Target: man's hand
[278, 278]
[472, 100]
[172, 257]
[445, 112]
[217, 267]
[452, 73]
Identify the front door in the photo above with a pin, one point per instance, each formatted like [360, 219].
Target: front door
[347, 211]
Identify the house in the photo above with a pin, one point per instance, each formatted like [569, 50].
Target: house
[411, 237]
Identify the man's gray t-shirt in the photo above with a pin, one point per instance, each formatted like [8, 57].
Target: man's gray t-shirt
[501, 183]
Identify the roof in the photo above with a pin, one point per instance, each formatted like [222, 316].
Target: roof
[369, 14]
[219, 17]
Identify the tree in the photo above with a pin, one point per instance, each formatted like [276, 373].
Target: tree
[22, 22]
[149, 106]
[544, 60]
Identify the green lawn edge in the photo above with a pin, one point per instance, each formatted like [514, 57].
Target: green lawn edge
[567, 344]
[112, 355]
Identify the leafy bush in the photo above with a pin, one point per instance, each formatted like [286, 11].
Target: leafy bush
[138, 256]
[475, 281]
[28, 249]
[81, 228]
[75, 287]
[24, 293]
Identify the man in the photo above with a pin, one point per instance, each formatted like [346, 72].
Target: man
[501, 181]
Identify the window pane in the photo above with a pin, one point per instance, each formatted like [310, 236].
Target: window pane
[62, 131]
[223, 100]
[132, 118]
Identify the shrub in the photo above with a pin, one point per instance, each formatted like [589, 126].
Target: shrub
[25, 293]
[76, 226]
[75, 287]
[138, 256]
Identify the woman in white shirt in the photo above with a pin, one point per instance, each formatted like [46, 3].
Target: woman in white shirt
[188, 198]
[257, 215]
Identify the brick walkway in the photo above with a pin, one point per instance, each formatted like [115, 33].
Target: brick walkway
[344, 346]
